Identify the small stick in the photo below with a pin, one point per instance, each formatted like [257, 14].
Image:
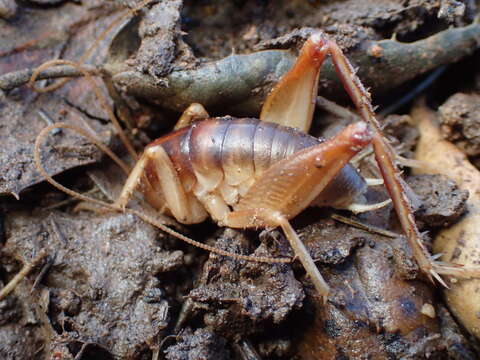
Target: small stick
[81, 352]
[370, 228]
[246, 350]
[45, 117]
[15, 79]
[51, 260]
[56, 230]
[184, 314]
[21, 275]
[45, 269]
[70, 200]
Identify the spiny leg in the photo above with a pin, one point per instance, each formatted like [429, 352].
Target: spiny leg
[304, 256]
[385, 159]
[394, 184]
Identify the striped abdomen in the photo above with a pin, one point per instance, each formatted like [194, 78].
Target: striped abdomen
[225, 156]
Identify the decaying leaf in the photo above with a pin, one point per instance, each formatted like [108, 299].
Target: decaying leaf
[35, 36]
[21, 122]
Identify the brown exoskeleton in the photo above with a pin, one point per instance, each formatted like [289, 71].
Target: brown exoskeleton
[248, 173]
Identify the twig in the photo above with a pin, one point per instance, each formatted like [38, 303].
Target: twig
[15, 79]
[184, 314]
[56, 231]
[70, 200]
[45, 269]
[22, 274]
[393, 64]
[246, 350]
[370, 228]
[82, 351]
[48, 120]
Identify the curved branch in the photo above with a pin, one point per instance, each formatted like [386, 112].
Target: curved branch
[240, 83]
[15, 79]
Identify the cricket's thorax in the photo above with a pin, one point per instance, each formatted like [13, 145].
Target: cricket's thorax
[222, 158]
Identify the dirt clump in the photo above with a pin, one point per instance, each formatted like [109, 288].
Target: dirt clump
[460, 122]
[201, 344]
[442, 202]
[240, 298]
